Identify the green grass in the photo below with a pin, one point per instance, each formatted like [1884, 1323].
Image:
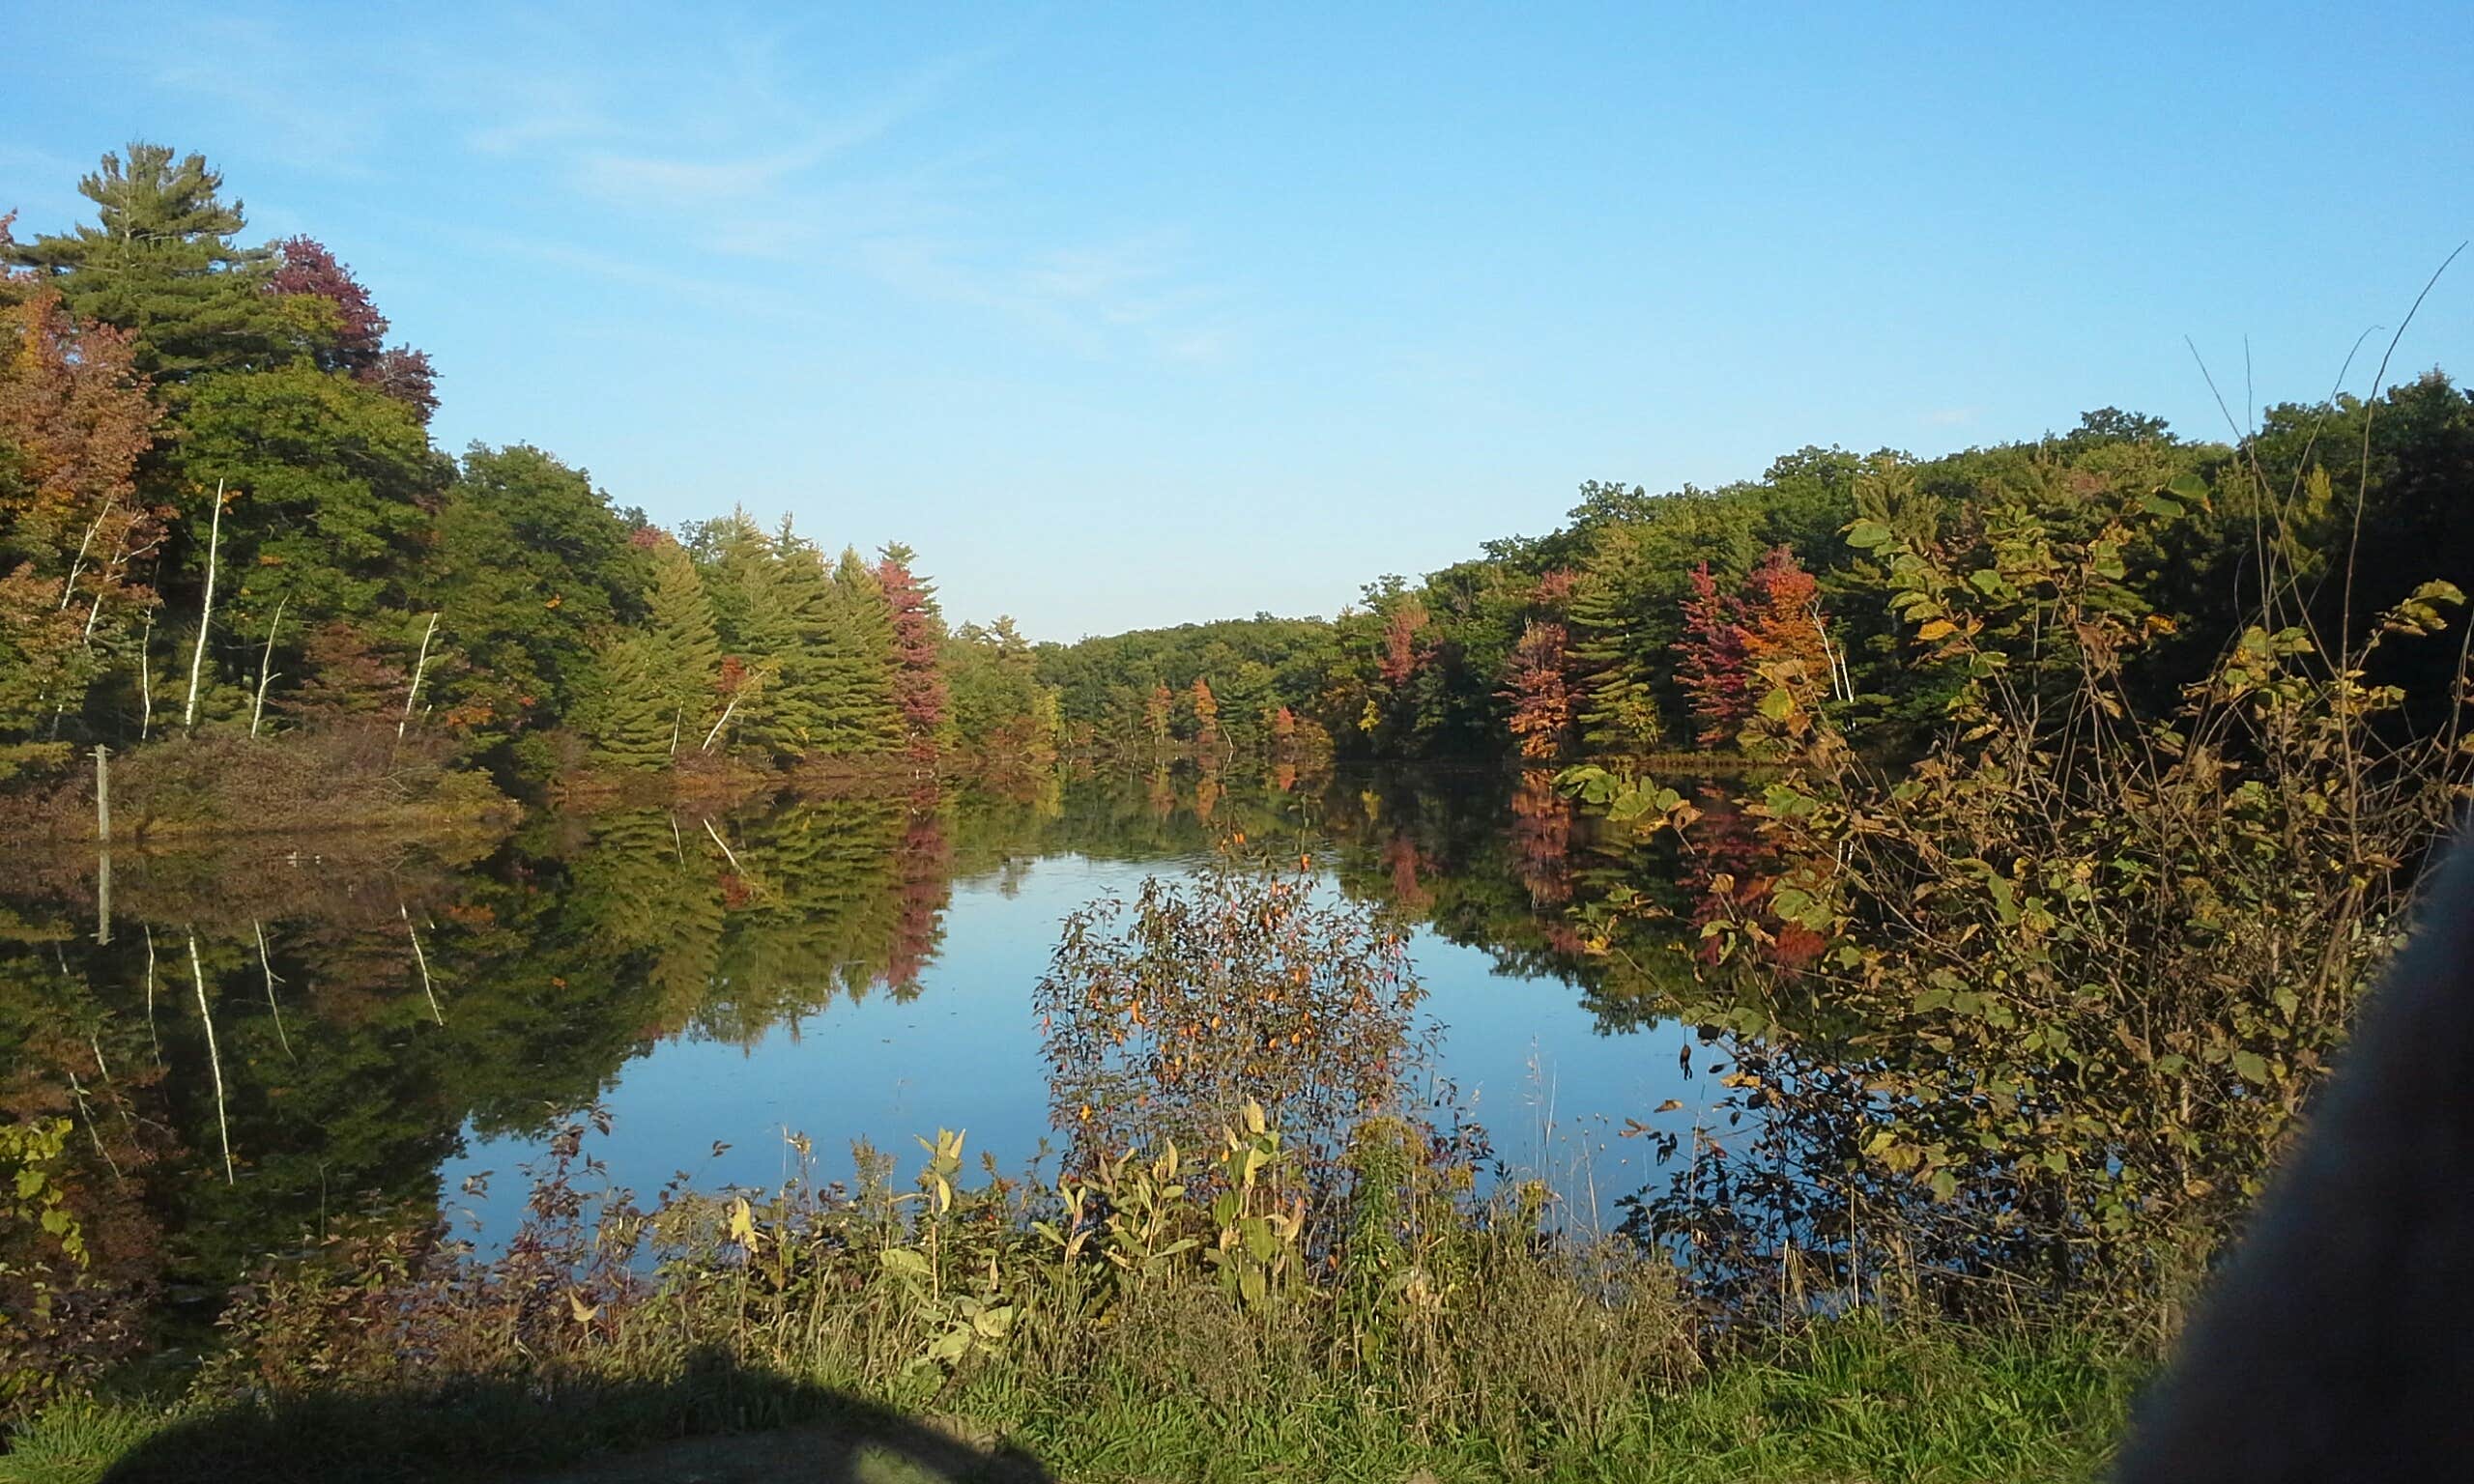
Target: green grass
[1156, 1320]
[1855, 1399]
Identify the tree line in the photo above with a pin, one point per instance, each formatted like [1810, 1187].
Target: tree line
[220, 508]
[1638, 626]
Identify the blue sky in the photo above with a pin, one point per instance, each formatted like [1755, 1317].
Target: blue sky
[1143, 314]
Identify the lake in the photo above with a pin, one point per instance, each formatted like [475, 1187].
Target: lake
[388, 1024]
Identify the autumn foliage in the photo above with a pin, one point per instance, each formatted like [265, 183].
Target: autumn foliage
[74, 421]
[918, 643]
[1405, 644]
[1541, 690]
[1737, 647]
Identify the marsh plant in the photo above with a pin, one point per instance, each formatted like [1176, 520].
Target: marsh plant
[1202, 1273]
[1165, 1015]
[2031, 1014]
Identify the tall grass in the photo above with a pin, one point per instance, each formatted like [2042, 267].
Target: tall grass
[1165, 1316]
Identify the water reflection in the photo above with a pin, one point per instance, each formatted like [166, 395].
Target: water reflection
[368, 1026]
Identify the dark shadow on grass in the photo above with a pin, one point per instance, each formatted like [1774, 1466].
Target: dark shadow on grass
[716, 1422]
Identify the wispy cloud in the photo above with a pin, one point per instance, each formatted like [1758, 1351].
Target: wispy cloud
[728, 140]
[1089, 297]
[1951, 417]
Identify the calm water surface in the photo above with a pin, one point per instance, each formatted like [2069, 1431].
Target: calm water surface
[845, 969]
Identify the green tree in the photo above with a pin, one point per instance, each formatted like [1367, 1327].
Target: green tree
[531, 567]
[160, 262]
[686, 648]
[654, 691]
[859, 712]
[337, 489]
[620, 707]
[991, 674]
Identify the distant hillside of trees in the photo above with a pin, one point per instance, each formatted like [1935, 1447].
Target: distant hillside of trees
[1636, 627]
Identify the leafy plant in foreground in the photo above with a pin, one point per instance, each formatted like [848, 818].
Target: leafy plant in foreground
[2059, 987]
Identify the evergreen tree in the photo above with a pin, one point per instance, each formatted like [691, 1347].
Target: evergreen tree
[622, 709]
[1619, 706]
[999, 703]
[160, 263]
[859, 712]
[918, 643]
[730, 552]
[686, 652]
[782, 599]
[531, 569]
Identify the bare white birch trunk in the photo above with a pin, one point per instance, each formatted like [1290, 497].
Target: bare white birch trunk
[412, 693]
[266, 665]
[268, 966]
[206, 607]
[214, 1058]
[423, 959]
[146, 679]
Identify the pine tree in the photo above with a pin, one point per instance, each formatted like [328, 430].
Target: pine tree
[730, 552]
[1714, 665]
[1619, 709]
[857, 710]
[161, 263]
[787, 623]
[687, 653]
[918, 643]
[622, 712]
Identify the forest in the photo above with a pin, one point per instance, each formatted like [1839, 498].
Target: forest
[221, 515]
[1634, 631]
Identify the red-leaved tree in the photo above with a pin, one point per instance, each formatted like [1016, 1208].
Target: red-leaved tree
[1714, 663]
[304, 266]
[918, 643]
[1742, 646]
[1539, 691]
[1736, 646]
[1404, 644]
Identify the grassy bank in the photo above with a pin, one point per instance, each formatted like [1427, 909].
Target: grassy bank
[1237, 1316]
[220, 785]
[1858, 1399]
